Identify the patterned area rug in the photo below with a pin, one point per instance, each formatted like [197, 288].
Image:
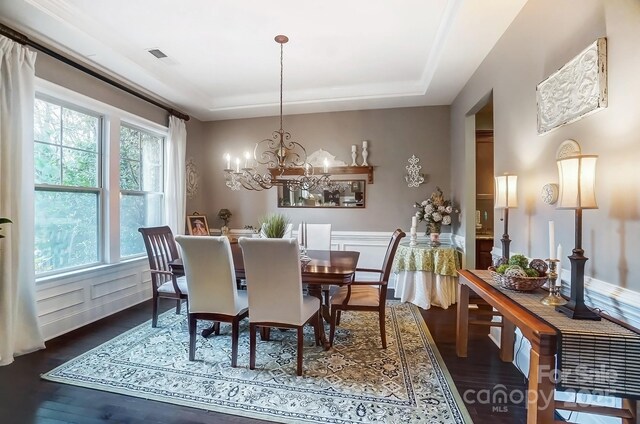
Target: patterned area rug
[355, 381]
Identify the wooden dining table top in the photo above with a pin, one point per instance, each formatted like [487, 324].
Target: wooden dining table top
[325, 266]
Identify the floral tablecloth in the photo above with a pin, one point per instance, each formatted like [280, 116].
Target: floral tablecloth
[427, 274]
[442, 259]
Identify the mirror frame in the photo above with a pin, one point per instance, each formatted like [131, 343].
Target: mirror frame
[364, 203]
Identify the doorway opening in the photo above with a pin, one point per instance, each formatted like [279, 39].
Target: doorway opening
[484, 199]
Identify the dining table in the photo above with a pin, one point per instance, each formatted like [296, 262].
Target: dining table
[319, 267]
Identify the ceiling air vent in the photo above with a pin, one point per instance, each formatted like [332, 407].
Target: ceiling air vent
[157, 53]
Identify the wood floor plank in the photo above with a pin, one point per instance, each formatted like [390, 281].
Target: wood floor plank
[27, 399]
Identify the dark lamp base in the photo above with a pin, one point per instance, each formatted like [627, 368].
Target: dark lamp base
[578, 312]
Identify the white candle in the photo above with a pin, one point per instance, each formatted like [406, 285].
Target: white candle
[246, 159]
[353, 148]
[326, 166]
[364, 144]
[414, 231]
[237, 164]
[414, 221]
[552, 241]
[559, 265]
[228, 158]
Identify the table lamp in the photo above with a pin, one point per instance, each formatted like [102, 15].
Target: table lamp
[577, 191]
[506, 197]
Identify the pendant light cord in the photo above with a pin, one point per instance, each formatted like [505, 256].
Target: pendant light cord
[281, 77]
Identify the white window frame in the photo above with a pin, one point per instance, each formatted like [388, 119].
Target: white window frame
[109, 220]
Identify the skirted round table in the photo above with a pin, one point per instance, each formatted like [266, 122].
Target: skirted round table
[427, 274]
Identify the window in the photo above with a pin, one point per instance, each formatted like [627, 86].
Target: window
[68, 178]
[141, 186]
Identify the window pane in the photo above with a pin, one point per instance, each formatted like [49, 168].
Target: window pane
[130, 175]
[80, 130]
[129, 143]
[152, 163]
[46, 122]
[80, 168]
[66, 233]
[47, 164]
[137, 210]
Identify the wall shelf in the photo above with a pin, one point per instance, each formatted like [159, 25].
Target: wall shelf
[334, 170]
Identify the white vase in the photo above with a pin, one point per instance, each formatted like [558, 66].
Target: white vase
[435, 238]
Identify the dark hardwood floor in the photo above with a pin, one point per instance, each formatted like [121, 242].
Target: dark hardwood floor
[25, 398]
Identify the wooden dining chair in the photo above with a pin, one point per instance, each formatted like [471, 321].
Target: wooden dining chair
[274, 285]
[211, 278]
[366, 295]
[161, 251]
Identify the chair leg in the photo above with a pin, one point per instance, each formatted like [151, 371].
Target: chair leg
[252, 346]
[178, 306]
[192, 337]
[383, 333]
[338, 318]
[154, 319]
[216, 328]
[235, 330]
[317, 321]
[332, 326]
[300, 350]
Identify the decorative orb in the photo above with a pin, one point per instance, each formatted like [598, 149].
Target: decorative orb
[540, 266]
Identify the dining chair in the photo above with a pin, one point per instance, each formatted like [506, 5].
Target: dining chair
[274, 285]
[211, 278]
[316, 236]
[161, 251]
[366, 295]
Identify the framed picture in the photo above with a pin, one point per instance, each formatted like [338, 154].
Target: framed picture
[197, 225]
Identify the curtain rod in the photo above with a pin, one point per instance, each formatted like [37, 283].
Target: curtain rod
[23, 39]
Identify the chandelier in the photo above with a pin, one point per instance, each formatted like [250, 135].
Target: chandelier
[275, 157]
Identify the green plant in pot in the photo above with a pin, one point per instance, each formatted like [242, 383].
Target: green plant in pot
[4, 221]
[274, 225]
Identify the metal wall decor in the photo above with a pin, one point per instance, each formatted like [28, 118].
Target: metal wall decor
[414, 178]
[192, 178]
[577, 89]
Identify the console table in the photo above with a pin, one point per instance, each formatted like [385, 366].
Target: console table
[584, 346]
[427, 274]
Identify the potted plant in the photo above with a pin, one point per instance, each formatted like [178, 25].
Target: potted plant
[4, 221]
[274, 225]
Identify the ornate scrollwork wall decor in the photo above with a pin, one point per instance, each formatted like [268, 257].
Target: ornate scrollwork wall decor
[577, 89]
[414, 178]
[192, 178]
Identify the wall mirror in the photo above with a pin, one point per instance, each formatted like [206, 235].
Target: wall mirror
[343, 194]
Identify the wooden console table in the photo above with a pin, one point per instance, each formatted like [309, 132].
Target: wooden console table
[544, 339]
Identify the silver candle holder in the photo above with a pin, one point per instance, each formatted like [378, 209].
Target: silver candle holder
[554, 298]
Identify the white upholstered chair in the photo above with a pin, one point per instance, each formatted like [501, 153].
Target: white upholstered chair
[211, 279]
[274, 285]
[318, 236]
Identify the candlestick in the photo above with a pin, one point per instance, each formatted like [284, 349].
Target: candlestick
[554, 298]
[559, 280]
[238, 165]
[228, 158]
[552, 242]
[365, 154]
[413, 241]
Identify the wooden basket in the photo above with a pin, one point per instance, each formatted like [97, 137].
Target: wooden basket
[518, 283]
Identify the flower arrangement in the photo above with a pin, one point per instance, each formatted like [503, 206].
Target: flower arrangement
[225, 215]
[435, 211]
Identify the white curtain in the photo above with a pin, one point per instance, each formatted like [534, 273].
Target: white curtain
[175, 183]
[19, 329]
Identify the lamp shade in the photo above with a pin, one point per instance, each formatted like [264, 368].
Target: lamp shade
[577, 182]
[506, 191]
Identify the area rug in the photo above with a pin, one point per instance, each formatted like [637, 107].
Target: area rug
[355, 381]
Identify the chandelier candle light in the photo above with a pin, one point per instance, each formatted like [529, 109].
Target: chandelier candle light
[276, 155]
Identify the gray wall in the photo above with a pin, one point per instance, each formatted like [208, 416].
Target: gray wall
[393, 135]
[545, 35]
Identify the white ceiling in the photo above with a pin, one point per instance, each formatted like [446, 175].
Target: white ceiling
[223, 62]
